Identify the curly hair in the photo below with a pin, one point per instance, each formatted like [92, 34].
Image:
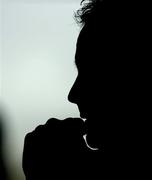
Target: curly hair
[90, 10]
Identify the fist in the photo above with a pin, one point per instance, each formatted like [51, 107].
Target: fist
[51, 144]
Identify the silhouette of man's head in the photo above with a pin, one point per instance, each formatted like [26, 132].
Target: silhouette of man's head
[98, 53]
[90, 90]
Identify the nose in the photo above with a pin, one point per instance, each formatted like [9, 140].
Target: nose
[74, 94]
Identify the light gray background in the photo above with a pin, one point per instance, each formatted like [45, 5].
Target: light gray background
[37, 43]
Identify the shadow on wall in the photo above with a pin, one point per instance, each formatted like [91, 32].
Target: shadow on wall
[7, 171]
[3, 171]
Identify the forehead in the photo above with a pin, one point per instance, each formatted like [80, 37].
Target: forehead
[90, 48]
[86, 47]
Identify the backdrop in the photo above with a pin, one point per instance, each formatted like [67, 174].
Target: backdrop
[38, 40]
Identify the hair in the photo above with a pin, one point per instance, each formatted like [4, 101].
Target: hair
[90, 11]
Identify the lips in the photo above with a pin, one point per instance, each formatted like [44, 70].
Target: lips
[83, 115]
[83, 111]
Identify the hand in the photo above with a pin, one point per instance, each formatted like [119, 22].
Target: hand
[50, 144]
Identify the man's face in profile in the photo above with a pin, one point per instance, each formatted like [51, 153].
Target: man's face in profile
[80, 92]
[88, 91]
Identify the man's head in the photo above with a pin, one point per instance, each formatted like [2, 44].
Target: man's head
[89, 91]
[97, 89]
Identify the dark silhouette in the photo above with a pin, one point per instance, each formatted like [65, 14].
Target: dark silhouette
[106, 92]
